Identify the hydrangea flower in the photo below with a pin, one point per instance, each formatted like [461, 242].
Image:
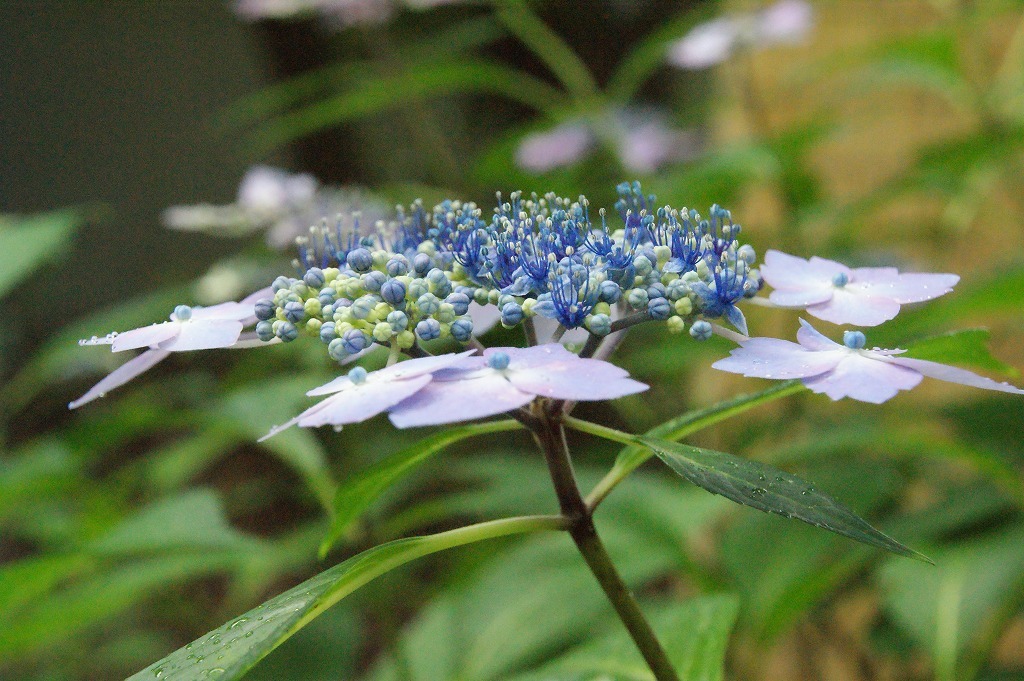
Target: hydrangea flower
[710, 43]
[844, 370]
[508, 378]
[359, 395]
[285, 204]
[198, 328]
[864, 296]
[642, 138]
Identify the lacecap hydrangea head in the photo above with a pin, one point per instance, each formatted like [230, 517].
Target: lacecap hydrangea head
[536, 255]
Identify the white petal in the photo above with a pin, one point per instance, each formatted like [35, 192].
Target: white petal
[864, 378]
[778, 359]
[783, 271]
[849, 306]
[147, 336]
[944, 372]
[121, 375]
[902, 288]
[361, 402]
[812, 339]
[453, 401]
[204, 334]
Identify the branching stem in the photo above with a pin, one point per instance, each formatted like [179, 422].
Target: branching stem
[550, 436]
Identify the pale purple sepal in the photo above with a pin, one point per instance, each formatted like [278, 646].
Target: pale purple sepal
[479, 394]
[706, 44]
[838, 371]
[204, 334]
[121, 375]
[944, 372]
[410, 368]
[863, 378]
[484, 317]
[868, 297]
[145, 337]
[556, 148]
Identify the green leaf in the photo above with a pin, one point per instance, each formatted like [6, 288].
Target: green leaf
[769, 489]
[630, 458]
[957, 609]
[231, 650]
[357, 493]
[969, 346]
[192, 520]
[376, 93]
[25, 242]
[694, 634]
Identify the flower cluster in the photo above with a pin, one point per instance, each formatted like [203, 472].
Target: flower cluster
[537, 256]
[541, 263]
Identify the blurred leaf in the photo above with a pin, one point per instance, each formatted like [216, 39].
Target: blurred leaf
[431, 46]
[783, 570]
[248, 411]
[769, 489]
[62, 358]
[192, 520]
[43, 468]
[956, 608]
[357, 493]
[375, 93]
[694, 633]
[27, 241]
[29, 579]
[968, 346]
[101, 597]
[231, 650]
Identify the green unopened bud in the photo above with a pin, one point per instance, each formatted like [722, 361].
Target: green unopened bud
[683, 307]
[675, 324]
[406, 339]
[330, 274]
[313, 327]
[446, 331]
[380, 259]
[528, 306]
[312, 307]
[493, 295]
[662, 253]
[602, 308]
[480, 296]
[427, 247]
[445, 314]
[382, 332]
[691, 277]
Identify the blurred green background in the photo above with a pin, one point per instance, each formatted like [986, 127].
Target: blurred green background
[886, 133]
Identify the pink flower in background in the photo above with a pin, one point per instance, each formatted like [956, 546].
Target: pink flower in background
[844, 370]
[710, 43]
[642, 139]
[508, 378]
[556, 148]
[865, 296]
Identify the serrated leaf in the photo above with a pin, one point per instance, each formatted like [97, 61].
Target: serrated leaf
[25, 242]
[234, 648]
[769, 489]
[357, 493]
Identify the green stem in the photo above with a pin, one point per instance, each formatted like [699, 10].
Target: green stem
[633, 456]
[394, 353]
[549, 47]
[550, 436]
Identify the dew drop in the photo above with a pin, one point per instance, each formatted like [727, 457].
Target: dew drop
[760, 476]
[248, 634]
[239, 622]
[757, 491]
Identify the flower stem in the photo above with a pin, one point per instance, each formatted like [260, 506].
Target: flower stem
[550, 436]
